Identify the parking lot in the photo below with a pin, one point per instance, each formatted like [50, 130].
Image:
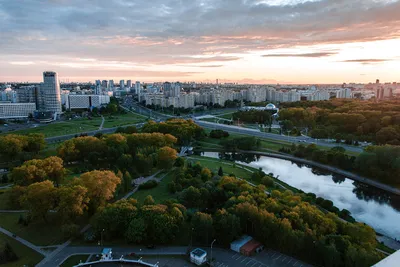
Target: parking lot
[267, 258]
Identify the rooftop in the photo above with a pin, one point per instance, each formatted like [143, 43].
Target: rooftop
[198, 252]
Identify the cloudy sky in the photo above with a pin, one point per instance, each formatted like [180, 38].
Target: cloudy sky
[260, 41]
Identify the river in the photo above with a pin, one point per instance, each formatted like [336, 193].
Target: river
[375, 207]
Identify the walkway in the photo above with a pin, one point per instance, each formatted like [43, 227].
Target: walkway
[102, 122]
[6, 186]
[23, 241]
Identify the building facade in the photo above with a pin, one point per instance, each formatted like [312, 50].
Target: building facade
[50, 93]
[16, 110]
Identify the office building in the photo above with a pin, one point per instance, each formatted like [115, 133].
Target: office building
[121, 84]
[167, 89]
[85, 101]
[104, 84]
[110, 85]
[129, 84]
[27, 94]
[16, 110]
[50, 93]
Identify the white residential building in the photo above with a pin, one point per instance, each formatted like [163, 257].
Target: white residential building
[344, 93]
[85, 101]
[16, 110]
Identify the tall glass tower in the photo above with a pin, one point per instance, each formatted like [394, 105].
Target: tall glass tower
[50, 92]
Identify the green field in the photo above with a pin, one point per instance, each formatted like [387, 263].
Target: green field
[26, 256]
[122, 120]
[82, 125]
[74, 260]
[159, 193]
[64, 127]
[227, 166]
[38, 233]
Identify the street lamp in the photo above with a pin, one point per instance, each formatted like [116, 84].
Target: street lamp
[191, 238]
[211, 250]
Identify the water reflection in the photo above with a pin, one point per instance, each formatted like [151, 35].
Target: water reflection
[367, 204]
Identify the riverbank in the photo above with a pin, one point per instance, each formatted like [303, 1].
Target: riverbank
[347, 174]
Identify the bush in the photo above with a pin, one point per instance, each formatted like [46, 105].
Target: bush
[148, 185]
[218, 134]
[172, 187]
[267, 181]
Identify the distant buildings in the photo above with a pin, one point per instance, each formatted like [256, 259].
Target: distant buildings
[110, 85]
[121, 84]
[129, 84]
[344, 93]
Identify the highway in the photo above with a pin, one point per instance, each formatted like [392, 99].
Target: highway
[257, 133]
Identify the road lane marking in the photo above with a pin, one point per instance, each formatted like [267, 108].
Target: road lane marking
[278, 257]
[295, 263]
[273, 254]
[243, 260]
[254, 264]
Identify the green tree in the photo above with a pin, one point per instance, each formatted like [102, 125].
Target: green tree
[39, 199]
[136, 232]
[203, 227]
[71, 202]
[101, 186]
[166, 157]
[220, 171]
[149, 200]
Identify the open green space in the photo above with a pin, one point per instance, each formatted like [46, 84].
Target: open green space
[122, 120]
[74, 260]
[26, 256]
[39, 232]
[159, 193]
[82, 125]
[228, 167]
[64, 127]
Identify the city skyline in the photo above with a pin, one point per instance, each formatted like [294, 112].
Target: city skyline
[271, 41]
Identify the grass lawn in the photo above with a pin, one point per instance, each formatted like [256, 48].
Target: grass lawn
[4, 196]
[227, 166]
[121, 120]
[64, 127]
[159, 193]
[38, 233]
[26, 256]
[74, 260]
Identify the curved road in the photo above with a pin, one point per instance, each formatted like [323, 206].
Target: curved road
[257, 133]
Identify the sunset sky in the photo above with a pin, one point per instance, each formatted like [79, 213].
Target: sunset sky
[246, 41]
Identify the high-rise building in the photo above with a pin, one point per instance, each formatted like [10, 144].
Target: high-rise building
[98, 82]
[138, 90]
[167, 89]
[50, 93]
[27, 94]
[129, 83]
[121, 84]
[104, 84]
[110, 85]
[343, 93]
